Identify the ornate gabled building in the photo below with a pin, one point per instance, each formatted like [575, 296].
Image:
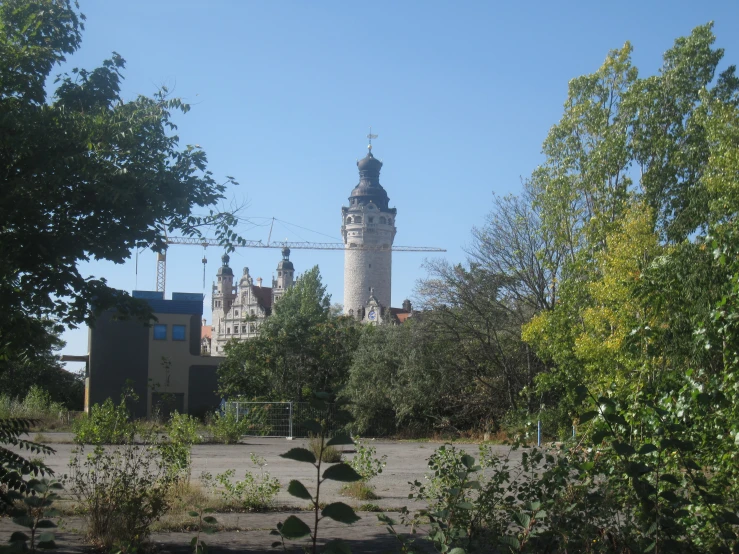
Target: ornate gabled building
[239, 309]
[368, 230]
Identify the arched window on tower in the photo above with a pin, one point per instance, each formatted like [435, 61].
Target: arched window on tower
[348, 220]
[358, 219]
[382, 220]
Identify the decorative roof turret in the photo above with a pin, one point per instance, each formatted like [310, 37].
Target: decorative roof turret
[246, 280]
[224, 269]
[369, 188]
[285, 262]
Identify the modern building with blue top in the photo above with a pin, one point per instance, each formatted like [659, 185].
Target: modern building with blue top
[161, 361]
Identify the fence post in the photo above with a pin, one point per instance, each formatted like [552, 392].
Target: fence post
[538, 433]
[291, 422]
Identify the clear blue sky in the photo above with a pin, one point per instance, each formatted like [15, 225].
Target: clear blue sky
[461, 95]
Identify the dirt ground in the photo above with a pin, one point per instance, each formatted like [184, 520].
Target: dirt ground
[249, 532]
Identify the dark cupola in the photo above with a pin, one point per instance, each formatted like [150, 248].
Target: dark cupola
[285, 262]
[224, 269]
[369, 188]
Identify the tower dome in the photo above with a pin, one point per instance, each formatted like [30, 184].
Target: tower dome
[224, 269]
[285, 262]
[369, 188]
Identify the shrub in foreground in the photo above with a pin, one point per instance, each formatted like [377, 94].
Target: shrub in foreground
[122, 491]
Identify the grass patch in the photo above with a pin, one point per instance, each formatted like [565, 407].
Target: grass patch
[331, 454]
[359, 490]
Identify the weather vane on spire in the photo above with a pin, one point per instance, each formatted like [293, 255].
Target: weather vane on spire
[370, 137]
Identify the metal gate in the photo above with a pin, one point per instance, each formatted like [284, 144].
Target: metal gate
[266, 419]
[278, 419]
[285, 419]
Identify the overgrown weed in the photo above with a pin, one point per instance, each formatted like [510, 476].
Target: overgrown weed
[328, 454]
[359, 490]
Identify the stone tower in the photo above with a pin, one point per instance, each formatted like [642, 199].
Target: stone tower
[368, 229]
[223, 291]
[285, 276]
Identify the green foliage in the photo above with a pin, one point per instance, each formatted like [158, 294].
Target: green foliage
[176, 448]
[293, 528]
[228, 427]
[205, 524]
[253, 492]
[104, 424]
[397, 381]
[34, 515]
[36, 405]
[449, 494]
[365, 461]
[22, 372]
[15, 468]
[301, 348]
[86, 174]
[121, 491]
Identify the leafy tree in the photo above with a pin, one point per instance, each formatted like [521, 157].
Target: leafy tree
[669, 139]
[85, 175]
[512, 243]
[631, 294]
[477, 325]
[18, 372]
[302, 347]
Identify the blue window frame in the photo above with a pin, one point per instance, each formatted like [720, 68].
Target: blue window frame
[160, 331]
[178, 332]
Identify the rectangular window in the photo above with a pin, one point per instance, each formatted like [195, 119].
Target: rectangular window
[178, 332]
[160, 331]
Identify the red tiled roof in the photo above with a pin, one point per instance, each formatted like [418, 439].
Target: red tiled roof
[205, 331]
[400, 314]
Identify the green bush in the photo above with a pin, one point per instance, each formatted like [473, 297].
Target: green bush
[366, 463]
[122, 491]
[37, 405]
[176, 447]
[368, 466]
[227, 428]
[104, 424]
[251, 493]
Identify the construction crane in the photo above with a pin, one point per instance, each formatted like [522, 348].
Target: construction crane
[205, 242]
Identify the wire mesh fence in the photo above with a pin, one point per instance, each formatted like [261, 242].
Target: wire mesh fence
[285, 419]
